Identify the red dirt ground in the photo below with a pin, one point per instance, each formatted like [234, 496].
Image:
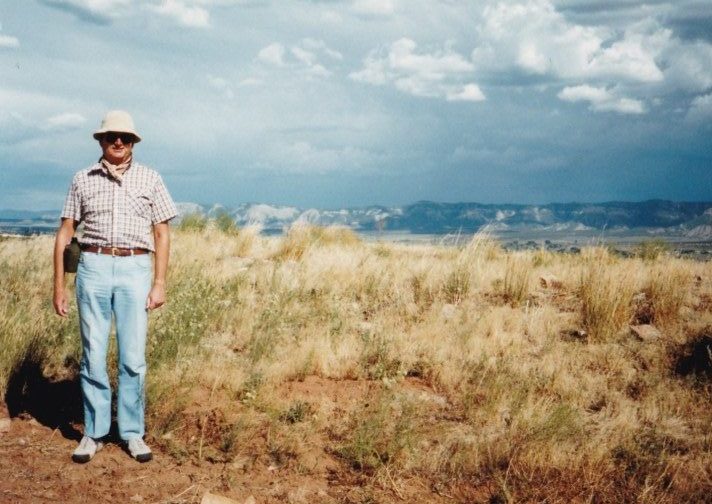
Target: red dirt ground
[36, 467]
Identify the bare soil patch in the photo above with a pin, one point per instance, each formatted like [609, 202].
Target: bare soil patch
[37, 466]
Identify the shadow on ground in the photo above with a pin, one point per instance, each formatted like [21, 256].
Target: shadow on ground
[695, 358]
[55, 403]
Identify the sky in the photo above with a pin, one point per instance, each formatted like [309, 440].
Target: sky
[347, 103]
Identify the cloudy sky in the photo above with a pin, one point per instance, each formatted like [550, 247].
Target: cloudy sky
[331, 103]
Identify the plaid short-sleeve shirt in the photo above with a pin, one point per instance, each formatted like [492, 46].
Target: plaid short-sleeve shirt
[118, 213]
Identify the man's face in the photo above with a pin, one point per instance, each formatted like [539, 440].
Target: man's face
[116, 147]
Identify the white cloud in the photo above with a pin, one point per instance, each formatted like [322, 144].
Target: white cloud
[221, 85]
[689, 66]
[374, 7]
[305, 157]
[96, 9]
[273, 54]
[9, 42]
[634, 56]
[374, 71]
[16, 127]
[402, 57]
[330, 17]
[468, 92]
[700, 109]
[421, 74]
[304, 56]
[249, 81]
[601, 99]
[65, 121]
[320, 45]
[186, 15]
[535, 38]
[190, 13]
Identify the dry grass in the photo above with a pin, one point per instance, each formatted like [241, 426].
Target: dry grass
[450, 366]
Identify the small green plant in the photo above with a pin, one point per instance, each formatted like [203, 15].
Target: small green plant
[193, 223]
[422, 294]
[225, 223]
[560, 424]
[651, 250]
[249, 389]
[380, 434]
[377, 359]
[297, 412]
[180, 326]
[230, 435]
[457, 284]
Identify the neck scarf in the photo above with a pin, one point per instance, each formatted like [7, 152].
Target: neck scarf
[116, 171]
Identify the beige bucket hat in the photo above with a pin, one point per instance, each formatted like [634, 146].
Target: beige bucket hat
[119, 121]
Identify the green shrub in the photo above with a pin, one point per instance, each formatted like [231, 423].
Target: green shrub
[650, 250]
[193, 222]
[225, 223]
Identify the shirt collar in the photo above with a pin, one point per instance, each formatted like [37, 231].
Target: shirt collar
[98, 167]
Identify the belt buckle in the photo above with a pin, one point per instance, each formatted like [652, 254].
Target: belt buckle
[113, 251]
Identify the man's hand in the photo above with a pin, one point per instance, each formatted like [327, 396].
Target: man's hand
[66, 230]
[157, 297]
[61, 305]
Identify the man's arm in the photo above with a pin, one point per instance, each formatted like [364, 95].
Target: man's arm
[161, 240]
[64, 235]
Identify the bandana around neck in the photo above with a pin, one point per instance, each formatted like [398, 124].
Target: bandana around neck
[116, 171]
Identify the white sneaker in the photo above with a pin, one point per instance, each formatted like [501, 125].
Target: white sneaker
[139, 450]
[86, 450]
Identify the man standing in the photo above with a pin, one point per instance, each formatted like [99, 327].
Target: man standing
[125, 209]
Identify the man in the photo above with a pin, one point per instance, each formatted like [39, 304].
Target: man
[125, 209]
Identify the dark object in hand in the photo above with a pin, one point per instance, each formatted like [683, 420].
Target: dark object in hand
[71, 256]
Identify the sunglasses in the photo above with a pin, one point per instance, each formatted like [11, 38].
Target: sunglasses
[111, 136]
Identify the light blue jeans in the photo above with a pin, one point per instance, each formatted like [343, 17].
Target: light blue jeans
[118, 285]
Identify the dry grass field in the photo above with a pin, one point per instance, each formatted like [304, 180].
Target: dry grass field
[319, 368]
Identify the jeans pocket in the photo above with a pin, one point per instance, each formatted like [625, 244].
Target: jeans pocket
[144, 262]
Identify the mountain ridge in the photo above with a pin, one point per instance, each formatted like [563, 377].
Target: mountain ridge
[655, 217]
[429, 217]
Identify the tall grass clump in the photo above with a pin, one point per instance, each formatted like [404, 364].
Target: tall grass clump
[179, 328]
[193, 223]
[457, 284]
[517, 275]
[28, 325]
[482, 247]
[245, 240]
[225, 223]
[667, 287]
[605, 290]
[302, 236]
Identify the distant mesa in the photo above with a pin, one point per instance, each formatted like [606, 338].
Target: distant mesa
[686, 220]
[653, 217]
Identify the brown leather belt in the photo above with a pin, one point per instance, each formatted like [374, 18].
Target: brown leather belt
[115, 251]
